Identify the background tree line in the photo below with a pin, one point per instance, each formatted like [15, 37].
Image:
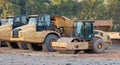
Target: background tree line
[80, 9]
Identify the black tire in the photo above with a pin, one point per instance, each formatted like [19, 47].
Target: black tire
[47, 44]
[0, 44]
[3, 44]
[22, 45]
[98, 45]
[34, 47]
[88, 51]
[12, 45]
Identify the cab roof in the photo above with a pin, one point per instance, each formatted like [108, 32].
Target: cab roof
[10, 17]
[32, 15]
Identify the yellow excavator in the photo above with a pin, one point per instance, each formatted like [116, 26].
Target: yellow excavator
[84, 38]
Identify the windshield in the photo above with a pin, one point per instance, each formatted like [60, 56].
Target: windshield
[44, 20]
[80, 30]
[17, 19]
[89, 30]
[84, 30]
[10, 20]
[79, 27]
[32, 20]
[23, 19]
[47, 20]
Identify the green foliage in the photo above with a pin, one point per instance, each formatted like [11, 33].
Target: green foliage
[113, 13]
[85, 9]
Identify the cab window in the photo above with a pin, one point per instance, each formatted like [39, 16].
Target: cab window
[32, 20]
[10, 20]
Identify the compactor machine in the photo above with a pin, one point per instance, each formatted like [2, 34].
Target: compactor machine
[84, 38]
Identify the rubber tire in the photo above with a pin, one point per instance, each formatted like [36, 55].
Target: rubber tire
[95, 43]
[0, 44]
[22, 45]
[3, 44]
[47, 46]
[88, 51]
[34, 47]
[12, 45]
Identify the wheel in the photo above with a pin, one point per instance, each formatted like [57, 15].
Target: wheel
[34, 47]
[3, 44]
[98, 45]
[22, 45]
[0, 44]
[12, 44]
[66, 39]
[47, 44]
[88, 51]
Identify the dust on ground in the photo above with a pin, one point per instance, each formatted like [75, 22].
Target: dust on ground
[10, 56]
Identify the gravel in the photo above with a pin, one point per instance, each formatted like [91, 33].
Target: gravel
[25, 57]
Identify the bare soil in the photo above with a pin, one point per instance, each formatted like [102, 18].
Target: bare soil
[10, 56]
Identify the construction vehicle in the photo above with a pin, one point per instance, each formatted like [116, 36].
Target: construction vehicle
[84, 38]
[9, 19]
[41, 31]
[12, 22]
[115, 37]
[104, 25]
[6, 27]
[103, 35]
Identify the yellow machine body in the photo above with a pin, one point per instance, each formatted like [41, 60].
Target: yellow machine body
[5, 31]
[28, 32]
[65, 43]
[64, 22]
[103, 35]
[70, 46]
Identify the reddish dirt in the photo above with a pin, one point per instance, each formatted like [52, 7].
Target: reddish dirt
[26, 57]
[108, 54]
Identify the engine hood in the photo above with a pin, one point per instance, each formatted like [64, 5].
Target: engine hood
[26, 26]
[5, 31]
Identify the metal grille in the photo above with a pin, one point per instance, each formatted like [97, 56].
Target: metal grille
[15, 33]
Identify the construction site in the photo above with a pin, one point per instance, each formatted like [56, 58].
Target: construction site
[15, 44]
[59, 32]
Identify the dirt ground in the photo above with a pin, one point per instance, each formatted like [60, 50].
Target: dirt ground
[26, 57]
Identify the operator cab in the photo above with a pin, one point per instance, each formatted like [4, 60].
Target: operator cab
[10, 20]
[19, 21]
[16, 21]
[85, 30]
[32, 19]
[42, 21]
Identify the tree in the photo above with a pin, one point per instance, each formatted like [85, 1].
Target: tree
[84, 9]
[114, 13]
[93, 9]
